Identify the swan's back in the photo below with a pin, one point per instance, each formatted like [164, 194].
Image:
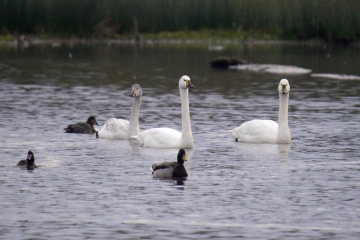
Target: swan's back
[114, 128]
[256, 131]
[159, 138]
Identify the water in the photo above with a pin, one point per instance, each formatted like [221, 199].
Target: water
[98, 188]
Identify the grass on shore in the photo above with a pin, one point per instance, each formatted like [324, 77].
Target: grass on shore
[206, 34]
[335, 21]
[213, 35]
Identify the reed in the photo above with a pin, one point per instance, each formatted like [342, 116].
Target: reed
[332, 20]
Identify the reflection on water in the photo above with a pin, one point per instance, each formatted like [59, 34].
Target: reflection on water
[308, 189]
[265, 150]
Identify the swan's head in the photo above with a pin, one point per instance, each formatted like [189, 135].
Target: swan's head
[284, 86]
[185, 82]
[181, 157]
[30, 156]
[136, 91]
[92, 121]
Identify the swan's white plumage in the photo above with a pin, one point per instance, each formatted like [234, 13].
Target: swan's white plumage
[159, 137]
[167, 137]
[115, 128]
[268, 131]
[256, 131]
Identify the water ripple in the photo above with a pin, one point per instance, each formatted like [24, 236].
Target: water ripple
[98, 188]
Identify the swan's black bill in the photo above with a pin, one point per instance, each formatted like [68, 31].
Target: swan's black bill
[190, 85]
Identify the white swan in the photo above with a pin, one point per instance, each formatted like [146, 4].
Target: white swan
[268, 131]
[123, 129]
[167, 137]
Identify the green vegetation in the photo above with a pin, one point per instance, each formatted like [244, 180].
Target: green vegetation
[205, 34]
[331, 20]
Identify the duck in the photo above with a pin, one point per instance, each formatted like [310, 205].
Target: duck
[29, 161]
[116, 128]
[81, 127]
[171, 169]
[268, 131]
[167, 137]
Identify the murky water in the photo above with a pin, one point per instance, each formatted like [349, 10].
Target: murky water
[97, 188]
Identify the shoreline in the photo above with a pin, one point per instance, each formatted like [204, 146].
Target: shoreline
[214, 38]
[56, 42]
[173, 41]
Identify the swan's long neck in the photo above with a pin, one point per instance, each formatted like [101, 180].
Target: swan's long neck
[134, 118]
[186, 136]
[283, 134]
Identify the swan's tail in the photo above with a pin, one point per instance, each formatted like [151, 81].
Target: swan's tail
[152, 169]
[138, 139]
[233, 133]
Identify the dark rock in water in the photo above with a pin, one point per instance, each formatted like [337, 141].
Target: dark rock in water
[225, 62]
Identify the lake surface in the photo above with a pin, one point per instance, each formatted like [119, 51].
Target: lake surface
[103, 189]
